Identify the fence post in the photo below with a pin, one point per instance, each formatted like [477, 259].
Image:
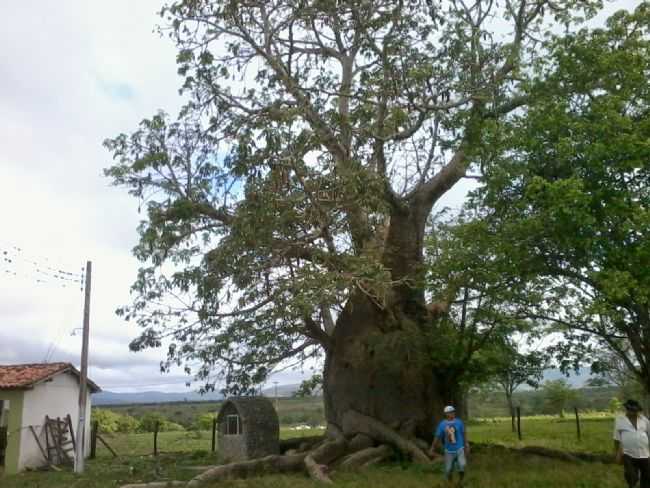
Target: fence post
[155, 438]
[519, 422]
[577, 422]
[214, 434]
[93, 439]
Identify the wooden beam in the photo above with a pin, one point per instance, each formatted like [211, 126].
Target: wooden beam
[40, 446]
[107, 446]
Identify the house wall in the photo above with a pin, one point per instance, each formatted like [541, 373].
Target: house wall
[13, 421]
[232, 448]
[55, 398]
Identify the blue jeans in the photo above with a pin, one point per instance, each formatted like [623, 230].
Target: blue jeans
[454, 459]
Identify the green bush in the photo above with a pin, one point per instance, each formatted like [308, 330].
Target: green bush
[204, 421]
[148, 423]
[615, 405]
[107, 420]
[111, 422]
[127, 424]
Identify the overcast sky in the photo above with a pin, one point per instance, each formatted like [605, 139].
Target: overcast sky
[73, 73]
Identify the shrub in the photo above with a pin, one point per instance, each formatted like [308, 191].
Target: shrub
[111, 422]
[148, 423]
[204, 421]
[107, 420]
[615, 405]
[126, 424]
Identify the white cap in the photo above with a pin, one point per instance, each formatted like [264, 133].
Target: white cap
[449, 409]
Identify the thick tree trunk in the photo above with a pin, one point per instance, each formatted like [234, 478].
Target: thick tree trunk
[379, 363]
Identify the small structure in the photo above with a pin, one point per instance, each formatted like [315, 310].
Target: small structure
[39, 412]
[248, 428]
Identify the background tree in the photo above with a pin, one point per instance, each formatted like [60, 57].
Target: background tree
[310, 387]
[514, 369]
[558, 395]
[569, 197]
[612, 370]
[287, 206]
[478, 297]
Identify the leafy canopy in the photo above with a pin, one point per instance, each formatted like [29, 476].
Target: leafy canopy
[569, 196]
[312, 129]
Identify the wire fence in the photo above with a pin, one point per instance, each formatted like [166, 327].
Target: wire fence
[573, 431]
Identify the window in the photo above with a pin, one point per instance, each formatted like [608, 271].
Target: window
[233, 425]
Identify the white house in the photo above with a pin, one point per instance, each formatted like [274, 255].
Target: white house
[30, 393]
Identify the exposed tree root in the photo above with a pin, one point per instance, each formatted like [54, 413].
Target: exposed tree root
[365, 457]
[359, 423]
[300, 444]
[156, 484]
[360, 442]
[245, 469]
[318, 456]
[329, 451]
[317, 472]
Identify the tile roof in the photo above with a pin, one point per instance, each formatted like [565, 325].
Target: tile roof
[23, 376]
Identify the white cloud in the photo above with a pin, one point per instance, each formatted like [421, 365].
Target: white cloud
[77, 72]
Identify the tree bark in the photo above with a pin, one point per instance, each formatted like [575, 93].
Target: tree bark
[369, 455]
[354, 421]
[245, 469]
[378, 363]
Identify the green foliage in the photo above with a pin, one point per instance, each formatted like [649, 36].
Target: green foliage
[204, 421]
[470, 275]
[558, 396]
[568, 196]
[513, 368]
[269, 198]
[151, 420]
[126, 423]
[308, 387]
[615, 405]
[107, 419]
[110, 421]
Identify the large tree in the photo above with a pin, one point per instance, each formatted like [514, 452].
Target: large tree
[286, 206]
[569, 197]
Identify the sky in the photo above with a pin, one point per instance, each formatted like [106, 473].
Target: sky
[73, 73]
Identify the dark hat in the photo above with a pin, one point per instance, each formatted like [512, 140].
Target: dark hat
[632, 405]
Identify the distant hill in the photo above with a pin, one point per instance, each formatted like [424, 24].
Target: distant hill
[283, 390]
[575, 380]
[113, 398]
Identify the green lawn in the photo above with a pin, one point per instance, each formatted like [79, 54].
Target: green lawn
[184, 454]
[551, 432]
[168, 442]
[488, 468]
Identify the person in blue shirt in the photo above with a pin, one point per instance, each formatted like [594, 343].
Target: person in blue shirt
[451, 434]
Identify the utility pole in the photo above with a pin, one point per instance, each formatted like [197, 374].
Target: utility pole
[83, 381]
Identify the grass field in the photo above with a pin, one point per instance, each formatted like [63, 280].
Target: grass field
[184, 454]
[551, 432]
[291, 411]
[488, 468]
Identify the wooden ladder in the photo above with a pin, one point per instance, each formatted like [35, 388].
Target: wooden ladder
[59, 440]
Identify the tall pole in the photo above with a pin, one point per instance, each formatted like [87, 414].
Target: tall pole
[83, 381]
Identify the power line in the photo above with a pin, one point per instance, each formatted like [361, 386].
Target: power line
[16, 262]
